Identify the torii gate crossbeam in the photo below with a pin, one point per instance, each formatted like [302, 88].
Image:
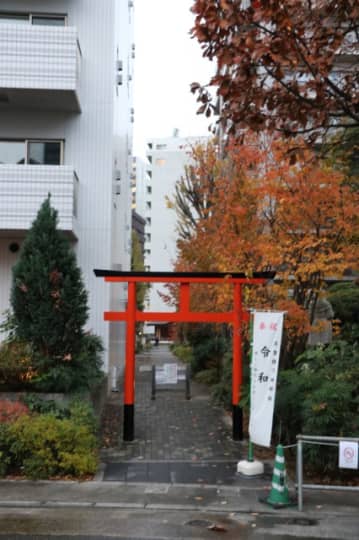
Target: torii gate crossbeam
[184, 314]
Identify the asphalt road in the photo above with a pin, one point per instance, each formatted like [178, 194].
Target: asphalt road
[122, 524]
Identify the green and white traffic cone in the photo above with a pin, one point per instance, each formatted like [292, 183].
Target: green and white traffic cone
[279, 495]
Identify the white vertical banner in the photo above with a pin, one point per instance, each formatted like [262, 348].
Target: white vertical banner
[267, 339]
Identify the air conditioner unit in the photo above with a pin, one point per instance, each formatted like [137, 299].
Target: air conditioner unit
[130, 3]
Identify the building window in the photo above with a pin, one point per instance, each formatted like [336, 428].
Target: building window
[48, 20]
[148, 237]
[160, 162]
[148, 205]
[44, 152]
[9, 18]
[31, 152]
[30, 18]
[12, 152]
[147, 252]
[148, 221]
[149, 189]
[161, 146]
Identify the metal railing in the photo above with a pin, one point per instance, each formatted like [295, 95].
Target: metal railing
[321, 440]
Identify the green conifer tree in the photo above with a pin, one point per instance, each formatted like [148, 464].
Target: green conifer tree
[49, 304]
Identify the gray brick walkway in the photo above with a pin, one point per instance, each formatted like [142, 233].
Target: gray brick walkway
[171, 427]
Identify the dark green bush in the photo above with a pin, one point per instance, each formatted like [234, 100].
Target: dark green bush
[208, 347]
[344, 298]
[5, 459]
[183, 351]
[80, 372]
[320, 396]
[222, 390]
[38, 404]
[82, 413]
[79, 409]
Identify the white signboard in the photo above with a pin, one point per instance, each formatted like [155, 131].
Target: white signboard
[348, 455]
[167, 374]
[267, 338]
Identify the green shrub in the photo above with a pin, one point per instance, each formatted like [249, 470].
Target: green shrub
[183, 351]
[45, 446]
[81, 371]
[38, 404]
[208, 345]
[222, 390]
[207, 376]
[79, 409]
[344, 298]
[81, 413]
[320, 396]
[5, 459]
[16, 369]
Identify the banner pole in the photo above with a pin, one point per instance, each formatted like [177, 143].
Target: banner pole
[250, 444]
[250, 467]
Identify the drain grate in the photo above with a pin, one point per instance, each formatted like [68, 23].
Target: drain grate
[305, 522]
[199, 523]
[277, 520]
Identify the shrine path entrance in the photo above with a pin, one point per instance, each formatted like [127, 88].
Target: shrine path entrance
[235, 317]
[177, 440]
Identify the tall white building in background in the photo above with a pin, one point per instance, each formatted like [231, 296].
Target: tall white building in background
[166, 161]
[66, 118]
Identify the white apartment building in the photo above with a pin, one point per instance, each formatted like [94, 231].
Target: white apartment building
[166, 160]
[138, 185]
[66, 116]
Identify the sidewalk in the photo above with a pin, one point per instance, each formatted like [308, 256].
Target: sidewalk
[158, 496]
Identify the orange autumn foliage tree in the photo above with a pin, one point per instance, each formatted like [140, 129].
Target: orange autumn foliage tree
[264, 213]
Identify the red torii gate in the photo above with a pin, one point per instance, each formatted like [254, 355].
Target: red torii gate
[184, 314]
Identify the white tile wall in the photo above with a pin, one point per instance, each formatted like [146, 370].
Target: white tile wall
[23, 188]
[38, 57]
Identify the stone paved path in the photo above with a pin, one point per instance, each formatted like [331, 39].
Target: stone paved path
[171, 427]
[177, 441]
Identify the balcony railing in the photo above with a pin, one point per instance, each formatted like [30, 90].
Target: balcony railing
[39, 67]
[23, 188]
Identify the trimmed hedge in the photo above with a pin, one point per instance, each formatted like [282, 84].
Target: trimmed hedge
[44, 446]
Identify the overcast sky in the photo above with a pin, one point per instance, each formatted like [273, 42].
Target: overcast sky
[167, 61]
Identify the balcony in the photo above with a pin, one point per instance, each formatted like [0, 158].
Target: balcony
[39, 67]
[23, 188]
